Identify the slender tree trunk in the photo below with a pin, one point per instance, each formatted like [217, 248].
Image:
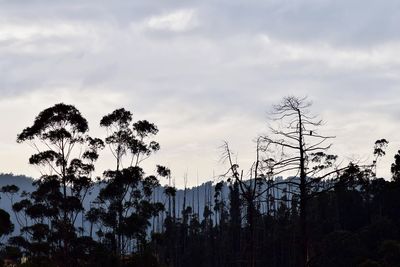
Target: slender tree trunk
[303, 198]
[250, 213]
[65, 215]
[91, 230]
[117, 229]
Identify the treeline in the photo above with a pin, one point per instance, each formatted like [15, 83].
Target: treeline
[325, 214]
[356, 223]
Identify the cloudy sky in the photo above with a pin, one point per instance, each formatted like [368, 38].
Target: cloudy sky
[203, 71]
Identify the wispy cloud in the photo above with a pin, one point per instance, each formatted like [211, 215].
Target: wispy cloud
[203, 71]
[177, 21]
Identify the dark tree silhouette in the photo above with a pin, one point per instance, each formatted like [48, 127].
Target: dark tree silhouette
[379, 151]
[297, 148]
[395, 168]
[124, 204]
[65, 155]
[6, 226]
[249, 192]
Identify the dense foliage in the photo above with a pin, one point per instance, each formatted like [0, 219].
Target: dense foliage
[346, 217]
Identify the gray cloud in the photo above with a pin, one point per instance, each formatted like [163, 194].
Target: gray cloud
[203, 71]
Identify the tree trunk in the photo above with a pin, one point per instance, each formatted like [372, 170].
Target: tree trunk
[303, 198]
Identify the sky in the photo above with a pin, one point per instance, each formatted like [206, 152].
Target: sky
[204, 72]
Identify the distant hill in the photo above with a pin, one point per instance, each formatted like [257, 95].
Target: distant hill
[199, 195]
[21, 181]
[196, 197]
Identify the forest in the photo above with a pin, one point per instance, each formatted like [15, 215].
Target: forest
[323, 212]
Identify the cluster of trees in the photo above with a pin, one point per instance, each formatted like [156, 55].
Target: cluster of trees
[65, 154]
[323, 214]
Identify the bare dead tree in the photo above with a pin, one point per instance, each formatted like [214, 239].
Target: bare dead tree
[296, 148]
[249, 190]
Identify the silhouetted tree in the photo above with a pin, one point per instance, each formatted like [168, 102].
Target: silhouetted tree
[65, 154]
[395, 168]
[125, 205]
[298, 148]
[379, 151]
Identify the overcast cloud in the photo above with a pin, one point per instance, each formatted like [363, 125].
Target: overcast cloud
[203, 71]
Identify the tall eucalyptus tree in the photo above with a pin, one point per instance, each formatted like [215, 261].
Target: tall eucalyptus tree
[65, 156]
[125, 203]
